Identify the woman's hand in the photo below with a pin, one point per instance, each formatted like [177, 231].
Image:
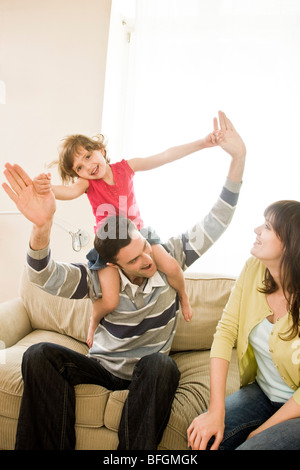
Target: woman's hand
[203, 428]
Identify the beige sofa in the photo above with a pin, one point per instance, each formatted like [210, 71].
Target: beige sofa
[36, 316]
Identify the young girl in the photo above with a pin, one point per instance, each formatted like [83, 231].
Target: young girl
[109, 187]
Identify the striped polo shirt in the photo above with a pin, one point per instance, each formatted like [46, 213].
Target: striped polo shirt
[145, 320]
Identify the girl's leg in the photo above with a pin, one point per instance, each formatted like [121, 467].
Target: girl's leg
[170, 267]
[110, 286]
[47, 413]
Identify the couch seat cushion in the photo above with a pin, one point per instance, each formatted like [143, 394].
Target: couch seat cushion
[192, 395]
[11, 382]
[91, 402]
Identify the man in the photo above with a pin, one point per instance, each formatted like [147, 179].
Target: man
[131, 344]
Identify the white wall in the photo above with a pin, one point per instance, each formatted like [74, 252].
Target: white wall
[52, 60]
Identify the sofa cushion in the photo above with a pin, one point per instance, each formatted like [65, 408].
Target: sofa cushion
[114, 409]
[71, 317]
[91, 402]
[191, 399]
[192, 395]
[207, 299]
[49, 312]
[98, 410]
[11, 382]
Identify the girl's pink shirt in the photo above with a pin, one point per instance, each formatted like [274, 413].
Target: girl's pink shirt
[117, 199]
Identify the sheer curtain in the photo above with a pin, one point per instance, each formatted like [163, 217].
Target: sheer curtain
[187, 59]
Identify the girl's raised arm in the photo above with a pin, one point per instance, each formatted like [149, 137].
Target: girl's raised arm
[172, 154]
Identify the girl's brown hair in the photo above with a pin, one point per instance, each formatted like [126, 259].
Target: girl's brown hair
[285, 219]
[68, 149]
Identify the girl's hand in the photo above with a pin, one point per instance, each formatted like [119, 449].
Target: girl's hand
[210, 140]
[42, 183]
[203, 428]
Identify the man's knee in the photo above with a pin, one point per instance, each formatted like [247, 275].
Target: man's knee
[33, 351]
[35, 355]
[160, 366]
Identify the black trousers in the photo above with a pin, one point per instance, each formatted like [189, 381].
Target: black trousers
[47, 414]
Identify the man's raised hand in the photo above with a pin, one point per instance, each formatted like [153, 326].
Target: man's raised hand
[38, 208]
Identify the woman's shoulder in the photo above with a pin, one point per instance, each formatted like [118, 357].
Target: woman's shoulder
[254, 267]
[253, 262]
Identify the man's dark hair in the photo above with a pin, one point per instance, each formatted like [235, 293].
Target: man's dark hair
[115, 233]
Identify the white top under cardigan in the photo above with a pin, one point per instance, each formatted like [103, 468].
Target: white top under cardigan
[268, 377]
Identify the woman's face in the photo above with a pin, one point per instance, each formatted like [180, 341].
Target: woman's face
[267, 247]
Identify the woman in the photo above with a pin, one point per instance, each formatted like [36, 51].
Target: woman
[262, 318]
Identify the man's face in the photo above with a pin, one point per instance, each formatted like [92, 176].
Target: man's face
[135, 259]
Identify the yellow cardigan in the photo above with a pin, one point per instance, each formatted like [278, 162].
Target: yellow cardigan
[246, 308]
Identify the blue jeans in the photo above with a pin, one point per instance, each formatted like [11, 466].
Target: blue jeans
[245, 411]
[47, 413]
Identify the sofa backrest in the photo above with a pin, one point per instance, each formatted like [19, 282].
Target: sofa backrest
[49, 312]
[208, 295]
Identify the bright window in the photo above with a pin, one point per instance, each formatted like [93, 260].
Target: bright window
[172, 64]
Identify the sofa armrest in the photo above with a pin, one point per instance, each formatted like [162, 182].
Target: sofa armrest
[14, 322]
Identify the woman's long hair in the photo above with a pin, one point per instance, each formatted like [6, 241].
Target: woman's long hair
[285, 219]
